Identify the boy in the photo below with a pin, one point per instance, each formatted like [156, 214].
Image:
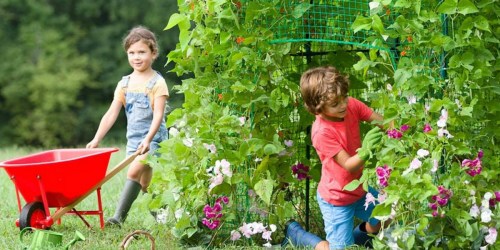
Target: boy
[336, 137]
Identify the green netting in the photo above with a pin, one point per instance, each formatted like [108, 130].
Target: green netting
[322, 21]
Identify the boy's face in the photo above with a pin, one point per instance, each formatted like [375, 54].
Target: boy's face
[140, 56]
[336, 110]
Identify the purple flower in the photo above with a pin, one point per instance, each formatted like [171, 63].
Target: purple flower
[497, 196]
[301, 171]
[474, 166]
[404, 127]
[433, 206]
[427, 128]
[394, 134]
[383, 175]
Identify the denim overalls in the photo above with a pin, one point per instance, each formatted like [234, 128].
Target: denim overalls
[139, 117]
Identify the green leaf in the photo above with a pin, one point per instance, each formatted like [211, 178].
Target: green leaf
[361, 23]
[300, 9]
[466, 7]
[377, 24]
[352, 185]
[176, 19]
[448, 7]
[270, 149]
[264, 189]
[482, 23]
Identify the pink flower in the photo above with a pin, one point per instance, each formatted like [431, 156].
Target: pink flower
[235, 235]
[383, 175]
[404, 127]
[474, 166]
[427, 128]
[394, 134]
[491, 238]
[369, 199]
[415, 163]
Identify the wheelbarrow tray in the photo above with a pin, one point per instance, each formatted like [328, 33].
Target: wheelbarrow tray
[66, 174]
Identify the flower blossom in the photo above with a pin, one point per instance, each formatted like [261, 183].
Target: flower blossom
[214, 213]
[210, 147]
[422, 153]
[404, 128]
[412, 99]
[288, 143]
[383, 175]
[301, 171]
[427, 128]
[256, 228]
[242, 120]
[440, 200]
[474, 167]
[491, 238]
[370, 199]
[394, 134]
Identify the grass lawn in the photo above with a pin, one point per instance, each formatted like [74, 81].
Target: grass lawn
[109, 238]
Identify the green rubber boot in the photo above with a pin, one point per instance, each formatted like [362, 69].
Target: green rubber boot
[128, 196]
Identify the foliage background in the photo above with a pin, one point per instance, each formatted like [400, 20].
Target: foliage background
[62, 61]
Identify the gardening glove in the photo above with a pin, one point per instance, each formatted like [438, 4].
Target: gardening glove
[372, 138]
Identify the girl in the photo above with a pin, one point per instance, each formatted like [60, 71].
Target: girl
[143, 94]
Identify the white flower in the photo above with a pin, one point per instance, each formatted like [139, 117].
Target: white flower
[443, 118]
[188, 142]
[173, 131]
[178, 213]
[422, 153]
[373, 5]
[235, 235]
[412, 99]
[267, 235]
[215, 181]
[268, 245]
[161, 216]
[258, 159]
[485, 214]
[435, 165]
[474, 211]
[369, 199]
[491, 238]
[487, 196]
[272, 227]
[242, 120]
[226, 167]
[389, 87]
[210, 147]
[415, 164]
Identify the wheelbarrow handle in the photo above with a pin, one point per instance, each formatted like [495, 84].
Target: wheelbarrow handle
[59, 213]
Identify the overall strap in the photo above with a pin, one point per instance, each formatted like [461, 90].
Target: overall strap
[152, 82]
[124, 81]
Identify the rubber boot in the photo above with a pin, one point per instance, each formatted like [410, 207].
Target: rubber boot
[128, 196]
[298, 237]
[361, 237]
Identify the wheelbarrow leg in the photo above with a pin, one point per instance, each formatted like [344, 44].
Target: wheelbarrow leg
[99, 204]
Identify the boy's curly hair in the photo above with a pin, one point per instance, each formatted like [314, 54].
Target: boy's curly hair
[322, 86]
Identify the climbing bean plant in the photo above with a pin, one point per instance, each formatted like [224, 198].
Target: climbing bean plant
[222, 174]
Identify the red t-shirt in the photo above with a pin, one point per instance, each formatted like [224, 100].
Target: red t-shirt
[328, 138]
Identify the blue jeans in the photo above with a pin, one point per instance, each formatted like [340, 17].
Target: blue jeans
[339, 220]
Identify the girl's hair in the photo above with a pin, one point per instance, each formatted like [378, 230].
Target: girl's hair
[322, 86]
[141, 33]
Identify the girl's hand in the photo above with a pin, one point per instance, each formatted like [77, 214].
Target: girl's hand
[93, 144]
[144, 147]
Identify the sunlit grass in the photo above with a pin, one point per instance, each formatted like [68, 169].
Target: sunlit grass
[109, 238]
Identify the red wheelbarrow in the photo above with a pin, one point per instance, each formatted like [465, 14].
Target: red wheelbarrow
[60, 179]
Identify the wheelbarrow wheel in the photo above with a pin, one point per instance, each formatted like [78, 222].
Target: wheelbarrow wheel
[31, 214]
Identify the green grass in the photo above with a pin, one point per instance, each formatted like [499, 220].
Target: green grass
[109, 238]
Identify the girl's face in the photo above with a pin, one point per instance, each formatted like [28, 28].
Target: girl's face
[335, 111]
[140, 56]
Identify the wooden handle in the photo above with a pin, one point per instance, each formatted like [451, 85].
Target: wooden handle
[126, 241]
[59, 213]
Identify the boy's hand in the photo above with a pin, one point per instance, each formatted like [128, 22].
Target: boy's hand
[372, 138]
